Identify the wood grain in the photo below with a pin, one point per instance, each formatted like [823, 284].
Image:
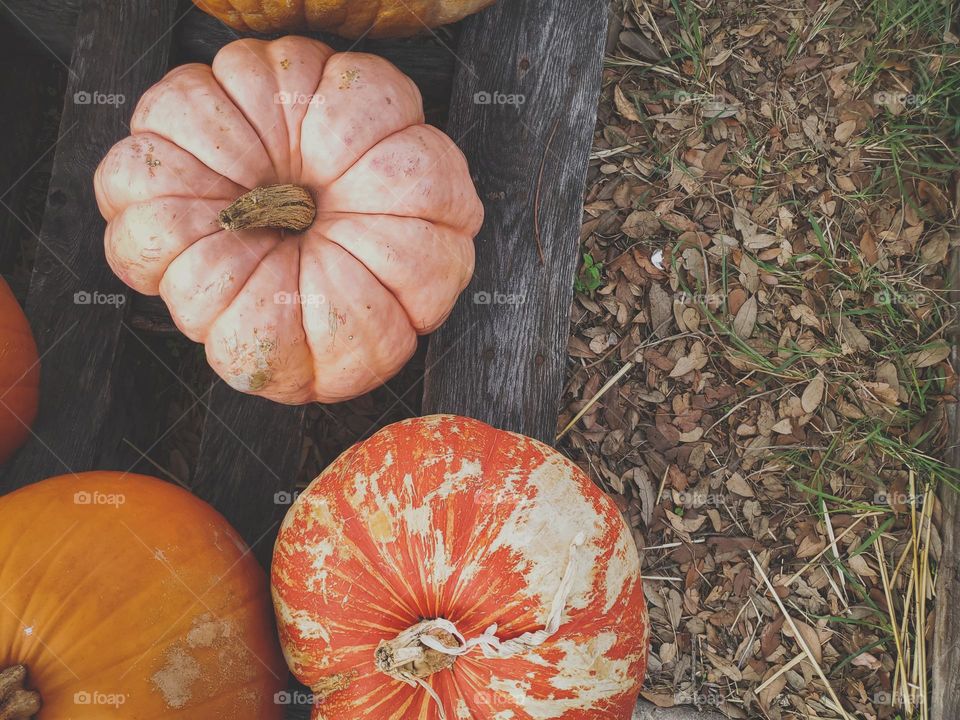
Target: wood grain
[501, 356]
[945, 700]
[198, 37]
[121, 48]
[249, 458]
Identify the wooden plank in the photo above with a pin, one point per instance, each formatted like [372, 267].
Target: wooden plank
[198, 37]
[26, 80]
[501, 356]
[249, 458]
[121, 49]
[945, 701]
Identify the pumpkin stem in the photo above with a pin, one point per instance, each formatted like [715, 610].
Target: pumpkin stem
[408, 656]
[286, 207]
[16, 702]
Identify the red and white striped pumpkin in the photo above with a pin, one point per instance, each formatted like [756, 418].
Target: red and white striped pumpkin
[446, 569]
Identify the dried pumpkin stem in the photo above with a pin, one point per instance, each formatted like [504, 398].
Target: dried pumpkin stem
[16, 702]
[285, 207]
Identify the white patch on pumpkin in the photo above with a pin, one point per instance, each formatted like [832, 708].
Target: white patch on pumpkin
[442, 567]
[319, 552]
[622, 569]
[307, 626]
[585, 671]
[459, 481]
[541, 530]
[463, 712]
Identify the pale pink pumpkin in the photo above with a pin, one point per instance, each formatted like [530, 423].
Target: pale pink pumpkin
[449, 521]
[324, 313]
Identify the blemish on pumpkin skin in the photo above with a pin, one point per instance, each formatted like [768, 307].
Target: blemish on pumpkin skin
[348, 78]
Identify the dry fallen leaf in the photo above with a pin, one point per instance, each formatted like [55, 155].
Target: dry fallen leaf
[813, 394]
[929, 356]
[696, 360]
[746, 319]
[845, 130]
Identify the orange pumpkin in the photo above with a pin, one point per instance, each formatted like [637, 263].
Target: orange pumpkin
[19, 375]
[295, 214]
[350, 18]
[126, 597]
[444, 568]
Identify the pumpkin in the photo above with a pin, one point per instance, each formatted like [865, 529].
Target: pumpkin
[19, 375]
[445, 569]
[126, 597]
[350, 18]
[294, 213]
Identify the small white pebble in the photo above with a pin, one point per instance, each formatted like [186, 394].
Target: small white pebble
[657, 258]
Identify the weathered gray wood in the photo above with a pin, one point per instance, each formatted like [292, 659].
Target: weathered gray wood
[121, 49]
[198, 37]
[249, 458]
[945, 701]
[503, 361]
[27, 79]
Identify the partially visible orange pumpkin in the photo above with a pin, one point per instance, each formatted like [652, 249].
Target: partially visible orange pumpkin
[19, 375]
[350, 18]
[126, 597]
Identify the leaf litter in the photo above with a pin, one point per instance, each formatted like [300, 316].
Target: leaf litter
[760, 378]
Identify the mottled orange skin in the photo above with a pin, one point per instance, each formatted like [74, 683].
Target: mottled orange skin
[446, 517]
[156, 601]
[19, 375]
[318, 316]
[350, 18]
